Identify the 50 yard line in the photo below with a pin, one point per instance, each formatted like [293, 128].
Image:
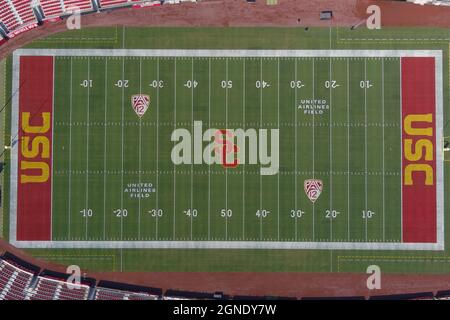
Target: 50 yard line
[226, 170]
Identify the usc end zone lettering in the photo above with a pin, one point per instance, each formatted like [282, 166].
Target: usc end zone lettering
[418, 150]
[35, 148]
[34, 186]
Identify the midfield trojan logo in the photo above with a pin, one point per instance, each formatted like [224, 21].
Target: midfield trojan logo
[140, 104]
[227, 147]
[313, 189]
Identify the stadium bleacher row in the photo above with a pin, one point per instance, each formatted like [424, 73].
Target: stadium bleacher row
[17, 16]
[20, 280]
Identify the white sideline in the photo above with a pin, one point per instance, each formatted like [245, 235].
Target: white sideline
[437, 54]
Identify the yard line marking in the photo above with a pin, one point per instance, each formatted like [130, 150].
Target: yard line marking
[104, 149]
[382, 103]
[365, 138]
[313, 146]
[157, 148]
[209, 167]
[260, 176]
[278, 176]
[192, 117]
[87, 143]
[330, 132]
[174, 128]
[401, 151]
[121, 179]
[296, 148]
[348, 149]
[140, 150]
[226, 170]
[70, 141]
[243, 167]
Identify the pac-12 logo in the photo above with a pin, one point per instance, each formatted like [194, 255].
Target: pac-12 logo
[313, 189]
[35, 147]
[418, 149]
[140, 104]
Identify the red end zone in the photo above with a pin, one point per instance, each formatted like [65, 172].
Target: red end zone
[34, 186]
[419, 150]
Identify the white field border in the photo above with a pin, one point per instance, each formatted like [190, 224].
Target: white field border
[437, 54]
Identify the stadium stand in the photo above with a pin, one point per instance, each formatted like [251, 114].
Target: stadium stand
[107, 290]
[17, 16]
[116, 3]
[82, 5]
[52, 7]
[20, 280]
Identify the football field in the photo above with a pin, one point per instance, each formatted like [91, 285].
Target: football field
[274, 149]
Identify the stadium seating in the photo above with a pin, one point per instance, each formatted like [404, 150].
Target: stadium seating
[114, 3]
[13, 281]
[82, 5]
[51, 7]
[112, 294]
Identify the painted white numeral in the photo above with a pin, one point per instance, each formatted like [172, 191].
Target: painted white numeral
[297, 213]
[86, 83]
[365, 84]
[226, 84]
[367, 214]
[297, 85]
[156, 213]
[192, 213]
[122, 84]
[121, 213]
[191, 84]
[262, 84]
[226, 213]
[86, 213]
[331, 214]
[262, 213]
[157, 84]
[331, 84]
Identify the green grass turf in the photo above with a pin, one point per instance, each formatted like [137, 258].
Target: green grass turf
[233, 260]
[90, 156]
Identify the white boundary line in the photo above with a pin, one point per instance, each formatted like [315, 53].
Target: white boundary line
[224, 245]
[227, 53]
[229, 244]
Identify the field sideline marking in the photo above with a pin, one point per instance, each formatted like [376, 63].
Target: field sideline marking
[122, 164]
[254, 244]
